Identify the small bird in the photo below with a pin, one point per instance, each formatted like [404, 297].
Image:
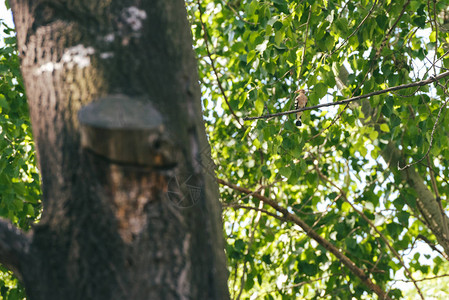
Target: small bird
[300, 102]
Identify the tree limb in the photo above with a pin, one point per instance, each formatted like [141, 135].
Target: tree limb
[352, 99]
[314, 235]
[14, 244]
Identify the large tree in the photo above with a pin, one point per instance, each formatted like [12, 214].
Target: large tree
[130, 210]
[330, 209]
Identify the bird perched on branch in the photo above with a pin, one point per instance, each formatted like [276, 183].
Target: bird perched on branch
[300, 102]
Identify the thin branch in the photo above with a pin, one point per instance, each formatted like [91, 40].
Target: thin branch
[327, 207]
[235, 278]
[425, 279]
[392, 28]
[253, 208]
[305, 282]
[352, 99]
[261, 187]
[212, 63]
[432, 245]
[343, 9]
[14, 245]
[305, 41]
[356, 30]
[314, 235]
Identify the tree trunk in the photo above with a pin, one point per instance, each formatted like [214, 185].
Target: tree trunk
[130, 200]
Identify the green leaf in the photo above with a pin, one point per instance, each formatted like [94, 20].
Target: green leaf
[249, 283]
[373, 135]
[4, 69]
[382, 21]
[10, 40]
[242, 99]
[384, 127]
[320, 89]
[329, 42]
[285, 171]
[346, 207]
[259, 106]
[351, 243]
[3, 103]
[279, 37]
[240, 245]
[251, 54]
[403, 218]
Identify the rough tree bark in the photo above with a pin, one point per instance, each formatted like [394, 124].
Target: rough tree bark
[130, 203]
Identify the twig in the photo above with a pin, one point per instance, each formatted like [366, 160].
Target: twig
[384, 41]
[314, 235]
[305, 41]
[432, 245]
[306, 282]
[212, 63]
[253, 208]
[435, 172]
[343, 8]
[352, 99]
[261, 187]
[357, 29]
[235, 278]
[424, 279]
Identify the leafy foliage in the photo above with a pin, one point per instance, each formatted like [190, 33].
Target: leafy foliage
[332, 172]
[19, 179]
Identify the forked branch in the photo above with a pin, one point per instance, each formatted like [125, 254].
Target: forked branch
[14, 245]
[314, 235]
